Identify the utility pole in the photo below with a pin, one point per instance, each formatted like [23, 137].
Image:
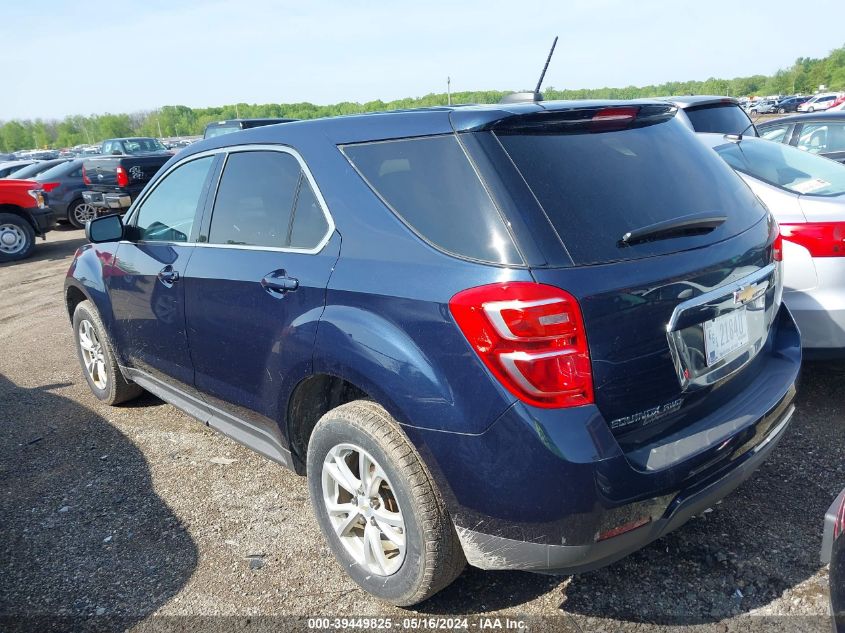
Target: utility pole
[449, 90]
[237, 112]
[158, 121]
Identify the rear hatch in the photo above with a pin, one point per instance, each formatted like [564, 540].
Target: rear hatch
[697, 262]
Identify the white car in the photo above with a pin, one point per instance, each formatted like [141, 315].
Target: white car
[806, 194]
[819, 102]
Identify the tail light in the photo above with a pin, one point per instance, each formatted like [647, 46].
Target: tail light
[532, 338]
[822, 239]
[122, 177]
[85, 177]
[777, 248]
[49, 186]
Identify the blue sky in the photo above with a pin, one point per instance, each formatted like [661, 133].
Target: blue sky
[80, 57]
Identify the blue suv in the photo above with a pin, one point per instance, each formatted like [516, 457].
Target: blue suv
[525, 336]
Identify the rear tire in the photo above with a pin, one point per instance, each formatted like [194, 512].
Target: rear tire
[17, 238]
[97, 358]
[396, 489]
[79, 212]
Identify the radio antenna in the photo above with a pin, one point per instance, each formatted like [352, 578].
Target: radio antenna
[546, 67]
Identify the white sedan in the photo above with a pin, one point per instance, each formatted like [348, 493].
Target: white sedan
[806, 194]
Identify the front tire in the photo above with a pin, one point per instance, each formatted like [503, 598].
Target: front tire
[97, 358]
[379, 507]
[781, 110]
[17, 238]
[79, 212]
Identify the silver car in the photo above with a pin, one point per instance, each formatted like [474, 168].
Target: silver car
[806, 194]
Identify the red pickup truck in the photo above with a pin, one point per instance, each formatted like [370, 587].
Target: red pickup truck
[23, 215]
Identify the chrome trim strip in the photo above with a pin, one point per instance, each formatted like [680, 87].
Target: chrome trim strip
[717, 293]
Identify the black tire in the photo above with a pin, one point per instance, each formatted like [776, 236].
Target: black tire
[116, 388]
[19, 228]
[781, 110]
[72, 213]
[433, 554]
[811, 109]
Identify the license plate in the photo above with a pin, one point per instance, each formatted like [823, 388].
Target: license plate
[725, 334]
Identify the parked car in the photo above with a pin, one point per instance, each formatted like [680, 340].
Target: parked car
[838, 105]
[32, 171]
[7, 167]
[64, 186]
[708, 113]
[833, 552]
[806, 194]
[219, 128]
[118, 176]
[23, 215]
[790, 104]
[818, 103]
[540, 344]
[764, 106]
[822, 133]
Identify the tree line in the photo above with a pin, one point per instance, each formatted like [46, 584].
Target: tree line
[804, 76]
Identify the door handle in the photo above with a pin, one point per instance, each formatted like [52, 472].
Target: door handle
[278, 283]
[167, 276]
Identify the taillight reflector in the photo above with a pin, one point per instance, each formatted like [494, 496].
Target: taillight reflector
[777, 248]
[532, 338]
[822, 239]
[85, 177]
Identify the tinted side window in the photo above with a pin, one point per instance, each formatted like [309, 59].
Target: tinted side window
[431, 185]
[168, 213]
[309, 223]
[255, 199]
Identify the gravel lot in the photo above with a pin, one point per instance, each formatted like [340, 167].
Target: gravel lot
[120, 514]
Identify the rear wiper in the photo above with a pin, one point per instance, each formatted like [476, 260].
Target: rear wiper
[696, 223]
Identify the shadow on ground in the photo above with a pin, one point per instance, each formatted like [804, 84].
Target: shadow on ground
[51, 250]
[82, 532]
[763, 539]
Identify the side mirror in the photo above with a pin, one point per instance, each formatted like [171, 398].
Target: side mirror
[108, 228]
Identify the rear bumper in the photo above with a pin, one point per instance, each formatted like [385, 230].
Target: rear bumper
[494, 552]
[112, 201]
[553, 491]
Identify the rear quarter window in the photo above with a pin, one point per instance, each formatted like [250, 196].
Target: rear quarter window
[429, 183]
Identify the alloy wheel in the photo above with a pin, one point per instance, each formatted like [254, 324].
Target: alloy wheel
[12, 239]
[363, 509]
[93, 354]
[82, 213]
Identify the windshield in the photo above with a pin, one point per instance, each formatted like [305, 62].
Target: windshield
[786, 167]
[724, 118]
[59, 170]
[27, 172]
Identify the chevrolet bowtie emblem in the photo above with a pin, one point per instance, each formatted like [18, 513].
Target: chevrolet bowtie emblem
[745, 294]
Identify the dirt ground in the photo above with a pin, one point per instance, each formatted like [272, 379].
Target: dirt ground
[140, 518]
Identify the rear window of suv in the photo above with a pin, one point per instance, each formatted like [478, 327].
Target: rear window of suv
[595, 186]
[431, 185]
[725, 118]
